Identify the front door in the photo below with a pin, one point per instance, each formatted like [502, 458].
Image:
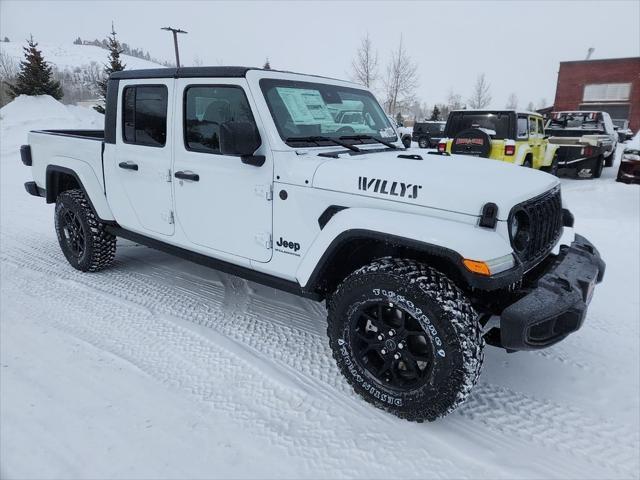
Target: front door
[140, 196]
[220, 202]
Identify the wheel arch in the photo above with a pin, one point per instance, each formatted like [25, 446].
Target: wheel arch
[60, 178]
[352, 241]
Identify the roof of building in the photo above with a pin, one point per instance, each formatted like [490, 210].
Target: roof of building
[602, 60]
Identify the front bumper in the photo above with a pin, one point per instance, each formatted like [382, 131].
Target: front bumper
[557, 305]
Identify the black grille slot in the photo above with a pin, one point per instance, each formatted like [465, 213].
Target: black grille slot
[545, 215]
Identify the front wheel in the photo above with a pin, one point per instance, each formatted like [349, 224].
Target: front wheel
[83, 238]
[406, 338]
[406, 141]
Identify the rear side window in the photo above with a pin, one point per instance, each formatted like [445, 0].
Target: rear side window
[206, 109]
[533, 129]
[523, 132]
[144, 115]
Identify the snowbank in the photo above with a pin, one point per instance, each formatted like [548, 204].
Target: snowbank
[41, 112]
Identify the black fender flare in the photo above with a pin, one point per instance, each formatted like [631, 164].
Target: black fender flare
[500, 280]
[52, 187]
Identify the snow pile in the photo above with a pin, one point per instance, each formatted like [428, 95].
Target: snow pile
[41, 112]
[71, 57]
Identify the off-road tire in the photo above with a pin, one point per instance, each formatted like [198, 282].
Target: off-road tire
[448, 320]
[528, 162]
[99, 246]
[406, 141]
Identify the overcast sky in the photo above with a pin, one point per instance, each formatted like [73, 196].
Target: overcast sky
[517, 44]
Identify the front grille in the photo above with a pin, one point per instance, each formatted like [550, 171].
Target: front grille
[545, 227]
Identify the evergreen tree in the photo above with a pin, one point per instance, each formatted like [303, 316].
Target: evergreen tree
[77, 41]
[267, 65]
[35, 76]
[6, 40]
[435, 113]
[115, 65]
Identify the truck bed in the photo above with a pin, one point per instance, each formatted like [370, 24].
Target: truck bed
[87, 134]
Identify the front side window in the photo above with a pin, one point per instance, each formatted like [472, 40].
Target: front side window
[144, 115]
[207, 107]
[302, 110]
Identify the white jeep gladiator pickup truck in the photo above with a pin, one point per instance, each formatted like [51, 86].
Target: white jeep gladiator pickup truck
[420, 258]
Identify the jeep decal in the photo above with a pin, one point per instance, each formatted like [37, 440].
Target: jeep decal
[388, 187]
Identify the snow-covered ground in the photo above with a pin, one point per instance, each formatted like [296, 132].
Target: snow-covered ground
[71, 57]
[158, 368]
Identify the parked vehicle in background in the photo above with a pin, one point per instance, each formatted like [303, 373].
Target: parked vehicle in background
[428, 133]
[580, 124]
[506, 135]
[624, 132]
[421, 259]
[629, 170]
[404, 133]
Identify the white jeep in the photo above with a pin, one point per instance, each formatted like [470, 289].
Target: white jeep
[420, 258]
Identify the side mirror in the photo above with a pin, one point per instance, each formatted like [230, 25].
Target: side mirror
[241, 139]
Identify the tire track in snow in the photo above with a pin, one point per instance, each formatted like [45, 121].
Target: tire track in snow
[188, 361]
[308, 357]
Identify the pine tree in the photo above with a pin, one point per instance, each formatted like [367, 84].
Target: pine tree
[267, 65]
[35, 76]
[115, 65]
[435, 113]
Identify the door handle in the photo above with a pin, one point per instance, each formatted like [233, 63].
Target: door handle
[128, 165]
[187, 175]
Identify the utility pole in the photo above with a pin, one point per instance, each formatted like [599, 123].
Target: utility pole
[175, 32]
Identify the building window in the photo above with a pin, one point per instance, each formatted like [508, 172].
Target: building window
[607, 92]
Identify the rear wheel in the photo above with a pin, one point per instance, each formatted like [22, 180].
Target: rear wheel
[423, 142]
[597, 169]
[406, 141]
[83, 239]
[608, 162]
[528, 162]
[553, 168]
[406, 338]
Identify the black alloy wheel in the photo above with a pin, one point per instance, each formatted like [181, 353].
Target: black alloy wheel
[390, 344]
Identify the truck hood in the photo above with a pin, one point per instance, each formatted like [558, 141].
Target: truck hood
[456, 183]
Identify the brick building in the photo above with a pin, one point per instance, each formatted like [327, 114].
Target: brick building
[611, 85]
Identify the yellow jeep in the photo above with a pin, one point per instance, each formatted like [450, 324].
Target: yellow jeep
[507, 135]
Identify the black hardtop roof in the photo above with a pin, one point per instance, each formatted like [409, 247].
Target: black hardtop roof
[194, 72]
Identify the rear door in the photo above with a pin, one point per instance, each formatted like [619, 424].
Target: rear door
[535, 139]
[225, 205]
[140, 193]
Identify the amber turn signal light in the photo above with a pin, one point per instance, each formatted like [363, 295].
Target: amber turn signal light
[481, 268]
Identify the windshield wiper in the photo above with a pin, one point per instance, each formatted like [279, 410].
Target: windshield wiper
[315, 139]
[369, 137]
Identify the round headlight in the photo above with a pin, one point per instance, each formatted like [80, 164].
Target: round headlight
[520, 230]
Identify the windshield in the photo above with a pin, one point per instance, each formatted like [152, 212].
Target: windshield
[302, 109]
[500, 123]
